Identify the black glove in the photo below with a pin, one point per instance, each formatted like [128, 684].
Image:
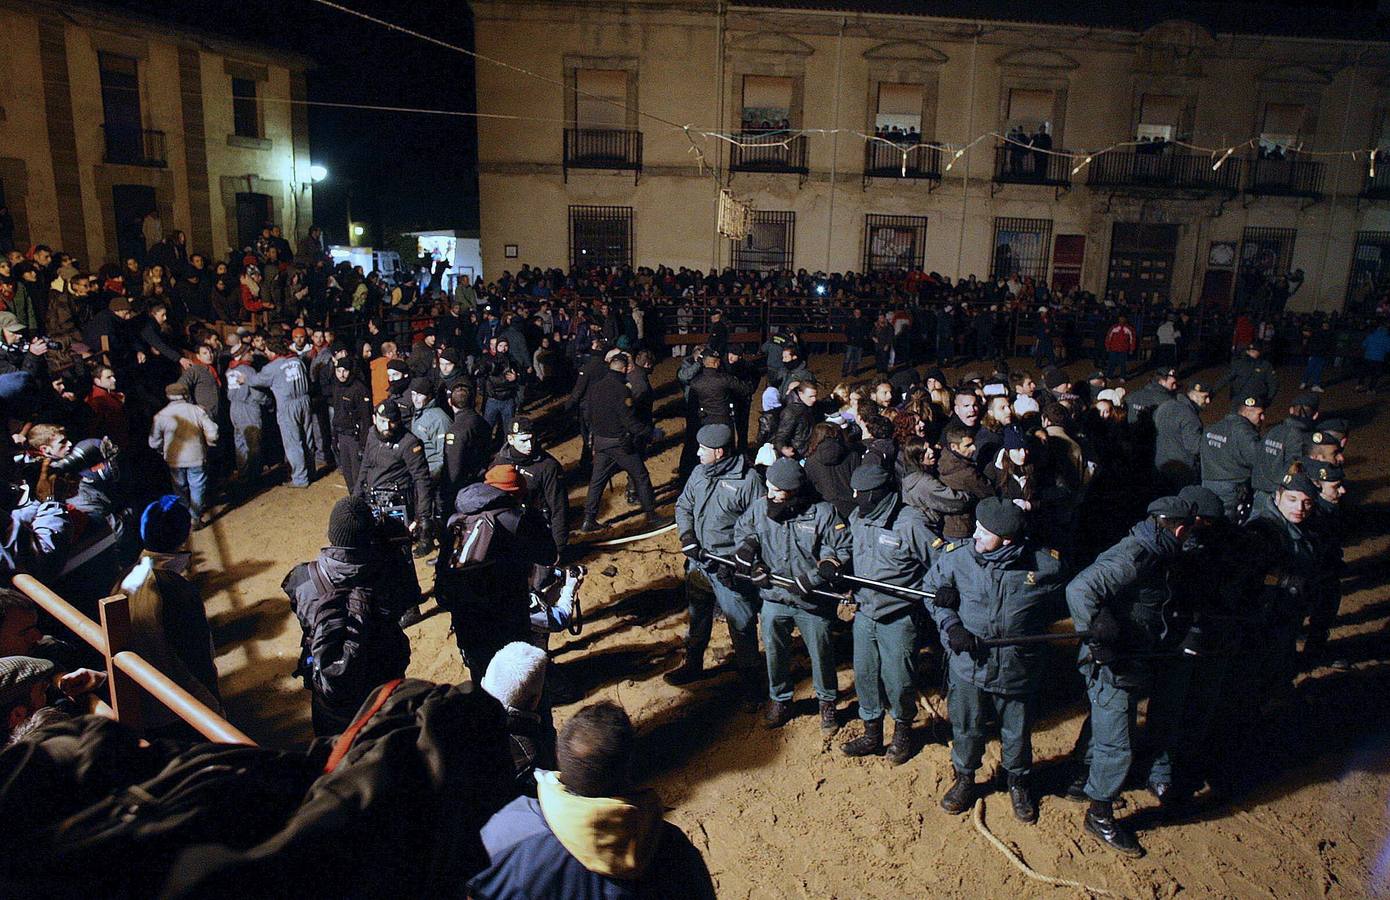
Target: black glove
[760, 576]
[829, 570]
[947, 597]
[804, 584]
[1103, 654]
[1105, 628]
[691, 548]
[725, 576]
[747, 556]
[960, 640]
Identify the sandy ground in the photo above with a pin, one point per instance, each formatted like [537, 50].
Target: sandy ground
[784, 814]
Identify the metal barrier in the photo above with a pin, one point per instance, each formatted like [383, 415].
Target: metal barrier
[127, 672]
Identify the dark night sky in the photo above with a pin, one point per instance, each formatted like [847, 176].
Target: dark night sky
[404, 171]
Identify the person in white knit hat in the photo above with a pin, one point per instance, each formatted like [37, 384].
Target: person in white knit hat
[516, 677]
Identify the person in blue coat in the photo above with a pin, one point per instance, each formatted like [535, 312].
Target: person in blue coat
[1121, 599]
[590, 831]
[892, 544]
[720, 489]
[999, 584]
[287, 379]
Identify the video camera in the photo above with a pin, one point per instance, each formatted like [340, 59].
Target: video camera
[391, 508]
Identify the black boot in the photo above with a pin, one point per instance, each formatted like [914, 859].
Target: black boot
[868, 744]
[1025, 808]
[1076, 791]
[411, 616]
[900, 751]
[828, 725]
[691, 669]
[1101, 824]
[961, 796]
[589, 526]
[777, 714]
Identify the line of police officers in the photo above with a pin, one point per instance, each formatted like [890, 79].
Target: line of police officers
[1199, 607]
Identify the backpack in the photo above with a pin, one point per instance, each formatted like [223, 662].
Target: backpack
[351, 643]
[470, 540]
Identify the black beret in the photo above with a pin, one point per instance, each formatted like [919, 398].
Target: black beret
[1301, 482]
[1171, 508]
[715, 436]
[1203, 501]
[1001, 517]
[786, 474]
[870, 478]
[1323, 471]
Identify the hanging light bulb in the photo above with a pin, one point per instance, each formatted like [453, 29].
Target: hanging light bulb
[905, 152]
[1224, 157]
[1081, 165]
[959, 153]
[1373, 161]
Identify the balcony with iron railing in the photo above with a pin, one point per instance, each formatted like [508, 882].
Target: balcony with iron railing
[1377, 186]
[1185, 171]
[888, 160]
[774, 151]
[131, 145]
[1023, 165]
[603, 148]
[1285, 178]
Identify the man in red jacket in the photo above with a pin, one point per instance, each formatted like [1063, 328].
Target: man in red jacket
[1120, 342]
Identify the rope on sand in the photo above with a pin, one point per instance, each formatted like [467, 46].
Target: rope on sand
[614, 542]
[978, 817]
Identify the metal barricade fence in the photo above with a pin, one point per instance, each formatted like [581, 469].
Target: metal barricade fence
[127, 672]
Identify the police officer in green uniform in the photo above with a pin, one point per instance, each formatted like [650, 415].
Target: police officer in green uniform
[788, 534]
[891, 544]
[1285, 444]
[1120, 599]
[1328, 523]
[1251, 374]
[997, 585]
[1178, 436]
[1294, 561]
[1231, 451]
[719, 490]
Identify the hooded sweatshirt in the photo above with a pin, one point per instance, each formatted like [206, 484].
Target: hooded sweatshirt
[565, 845]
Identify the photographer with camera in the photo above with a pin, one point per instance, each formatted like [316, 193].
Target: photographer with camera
[349, 601]
[394, 478]
[19, 352]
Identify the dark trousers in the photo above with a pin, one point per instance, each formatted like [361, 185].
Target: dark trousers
[348, 453]
[610, 455]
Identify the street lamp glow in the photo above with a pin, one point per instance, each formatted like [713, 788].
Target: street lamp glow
[357, 230]
[317, 172]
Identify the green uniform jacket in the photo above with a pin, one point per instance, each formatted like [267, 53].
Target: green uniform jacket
[1131, 579]
[1254, 377]
[430, 425]
[893, 544]
[1007, 593]
[1232, 450]
[713, 499]
[796, 547]
[1283, 445]
[1178, 437]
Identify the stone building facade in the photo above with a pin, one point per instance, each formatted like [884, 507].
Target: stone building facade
[105, 118]
[611, 173]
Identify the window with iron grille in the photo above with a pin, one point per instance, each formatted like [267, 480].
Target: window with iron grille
[894, 242]
[770, 243]
[1266, 252]
[1021, 246]
[1370, 267]
[601, 235]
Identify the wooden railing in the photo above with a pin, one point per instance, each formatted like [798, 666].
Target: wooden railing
[127, 672]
